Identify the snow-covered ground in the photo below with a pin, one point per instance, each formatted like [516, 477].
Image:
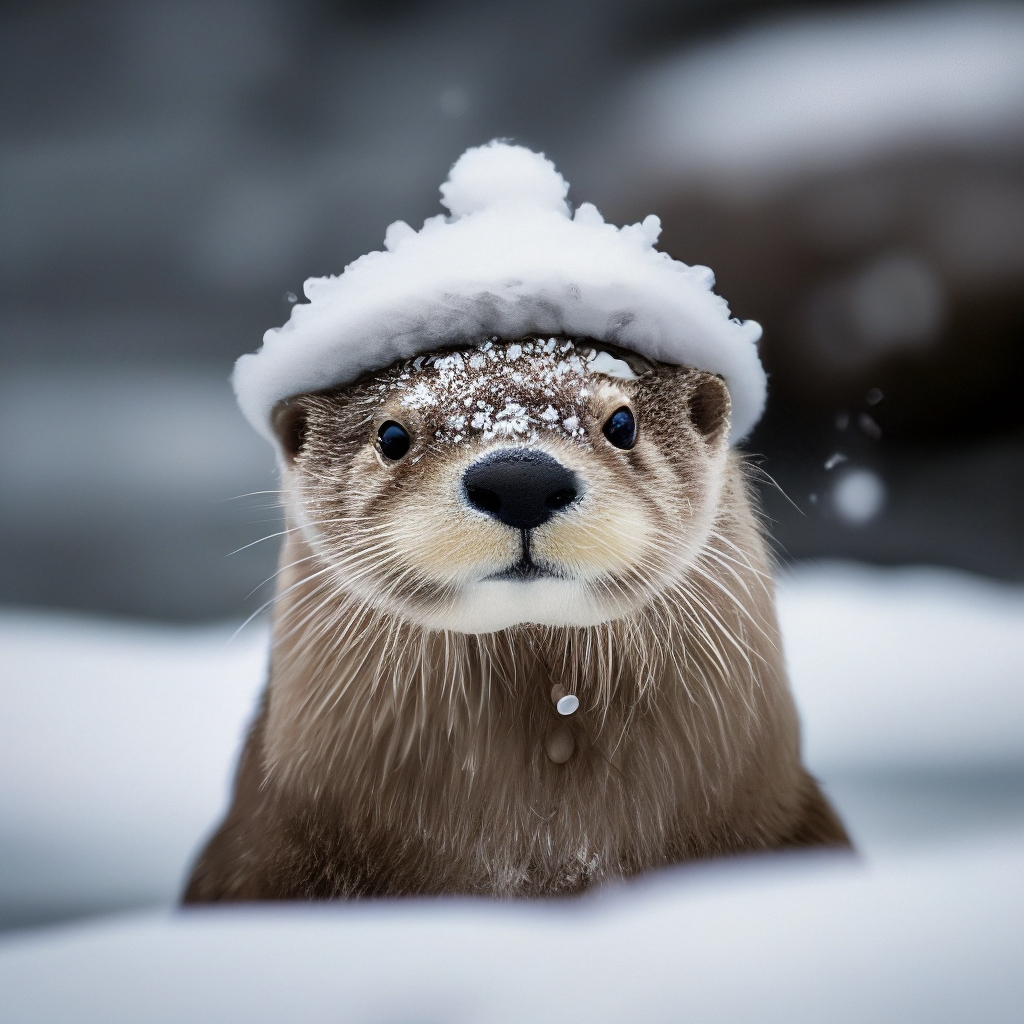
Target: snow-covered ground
[932, 938]
[117, 744]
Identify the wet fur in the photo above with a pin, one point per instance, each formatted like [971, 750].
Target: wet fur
[396, 752]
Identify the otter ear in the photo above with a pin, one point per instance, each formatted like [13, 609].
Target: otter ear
[289, 422]
[710, 405]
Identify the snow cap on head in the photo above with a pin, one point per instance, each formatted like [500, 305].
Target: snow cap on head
[510, 261]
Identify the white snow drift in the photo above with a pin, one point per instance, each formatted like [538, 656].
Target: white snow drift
[930, 939]
[510, 261]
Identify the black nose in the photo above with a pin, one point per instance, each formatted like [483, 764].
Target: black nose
[520, 487]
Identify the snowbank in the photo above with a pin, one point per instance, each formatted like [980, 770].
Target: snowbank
[117, 745]
[929, 939]
[904, 668]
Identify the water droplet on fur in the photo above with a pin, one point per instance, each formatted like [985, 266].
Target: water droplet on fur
[568, 704]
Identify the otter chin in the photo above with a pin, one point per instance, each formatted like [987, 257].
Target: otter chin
[501, 603]
[479, 539]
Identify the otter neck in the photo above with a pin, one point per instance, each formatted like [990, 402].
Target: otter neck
[358, 696]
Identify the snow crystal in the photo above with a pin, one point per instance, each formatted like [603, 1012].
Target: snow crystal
[419, 397]
[869, 426]
[519, 390]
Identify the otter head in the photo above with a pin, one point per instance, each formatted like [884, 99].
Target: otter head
[543, 480]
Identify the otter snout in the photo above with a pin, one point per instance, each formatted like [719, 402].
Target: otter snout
[520, 487]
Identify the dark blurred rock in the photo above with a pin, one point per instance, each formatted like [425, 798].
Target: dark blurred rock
[906, 276]
[856, 180]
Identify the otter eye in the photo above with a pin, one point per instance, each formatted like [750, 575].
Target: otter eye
[620, 428]
[393, 440]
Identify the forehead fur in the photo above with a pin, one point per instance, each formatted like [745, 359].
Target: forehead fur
[516, 391]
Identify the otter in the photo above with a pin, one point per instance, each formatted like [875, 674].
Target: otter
[524, 639]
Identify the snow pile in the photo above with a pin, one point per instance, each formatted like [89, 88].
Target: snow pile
[810, 93]
[800, 939]
[509, 262]
[904, 668]
[117, 746]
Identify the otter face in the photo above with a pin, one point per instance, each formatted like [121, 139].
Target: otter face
[546, 481]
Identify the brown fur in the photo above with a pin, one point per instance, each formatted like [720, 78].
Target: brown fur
[394, 754]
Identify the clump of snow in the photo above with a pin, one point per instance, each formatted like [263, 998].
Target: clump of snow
[500, 174]
[510, 262]
[606, 363]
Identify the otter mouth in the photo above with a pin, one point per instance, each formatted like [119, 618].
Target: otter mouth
[526, 570]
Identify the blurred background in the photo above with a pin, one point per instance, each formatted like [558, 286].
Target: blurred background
[171, 173]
